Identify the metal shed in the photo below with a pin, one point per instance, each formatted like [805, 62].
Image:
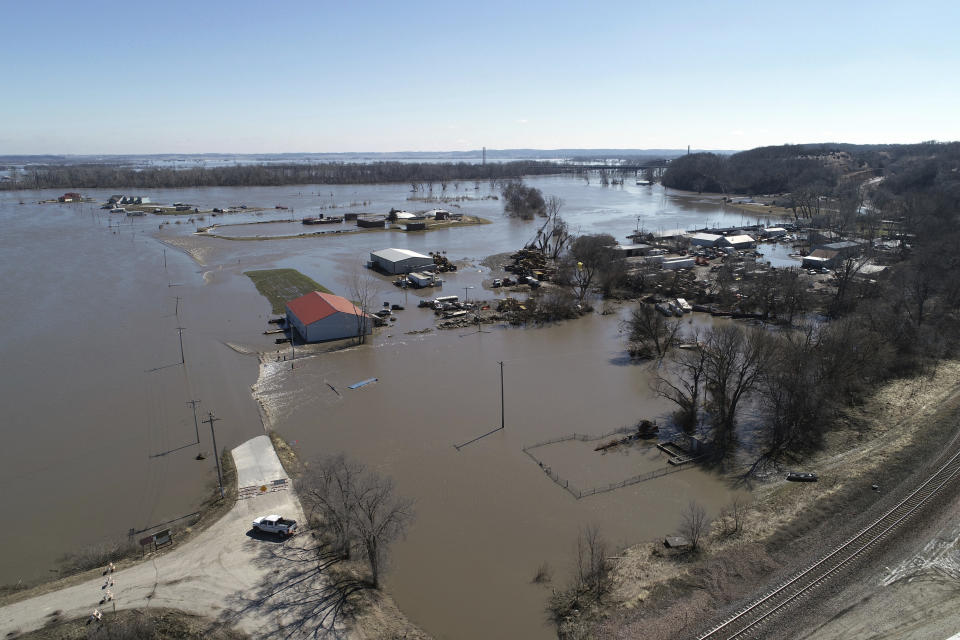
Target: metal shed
[400, 261]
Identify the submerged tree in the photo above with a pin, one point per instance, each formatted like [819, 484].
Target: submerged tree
[357, 509]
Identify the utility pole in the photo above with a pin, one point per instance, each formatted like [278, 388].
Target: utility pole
[194, 403]
[178, 306]
[164, 259]
[180, 331]
[502, 425]
[216, 455]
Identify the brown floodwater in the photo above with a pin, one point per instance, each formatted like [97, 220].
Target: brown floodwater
[487, 515]
[94, 391]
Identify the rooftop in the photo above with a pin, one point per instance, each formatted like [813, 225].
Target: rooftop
[396, 255]
[316, 306]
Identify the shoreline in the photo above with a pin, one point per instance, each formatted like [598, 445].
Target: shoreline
[783, 514]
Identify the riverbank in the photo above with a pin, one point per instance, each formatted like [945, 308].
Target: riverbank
[901, 428]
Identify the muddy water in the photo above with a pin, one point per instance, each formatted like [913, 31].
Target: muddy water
[92, 389]
[87, 311]
[487, 515]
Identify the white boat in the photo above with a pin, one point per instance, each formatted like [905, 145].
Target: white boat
[684, 305]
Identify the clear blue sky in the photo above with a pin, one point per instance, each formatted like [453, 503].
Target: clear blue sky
[211, 76]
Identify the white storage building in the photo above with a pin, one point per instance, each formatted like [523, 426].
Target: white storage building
[323, 316]
[737, 242]
[400, 261]
[704, 239]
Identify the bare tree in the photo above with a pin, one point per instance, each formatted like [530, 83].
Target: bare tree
[358, 507]
[380, 518]
[694, 524]
[328, 490]
[682, 383]
[589, 255]
[363, 288]
[649, 333]
[733, 516]
[593, 567]
[735, 359]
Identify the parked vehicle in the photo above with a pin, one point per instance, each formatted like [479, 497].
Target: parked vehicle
[801, 476]
[275, 524]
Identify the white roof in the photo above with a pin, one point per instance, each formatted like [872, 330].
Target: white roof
[739, 239]
[706, 237]
[404, 215]
[396, 255]
[769, 229]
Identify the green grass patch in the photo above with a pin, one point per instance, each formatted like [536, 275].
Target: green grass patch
[279, 286]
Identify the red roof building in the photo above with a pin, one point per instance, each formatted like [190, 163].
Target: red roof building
[318, 317]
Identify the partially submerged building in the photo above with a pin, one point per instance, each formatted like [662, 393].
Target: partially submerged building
[318, 317]
[400, 261]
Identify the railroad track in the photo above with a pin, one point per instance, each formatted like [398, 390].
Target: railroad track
[749, 619]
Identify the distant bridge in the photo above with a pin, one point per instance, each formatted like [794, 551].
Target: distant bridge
[657, 166]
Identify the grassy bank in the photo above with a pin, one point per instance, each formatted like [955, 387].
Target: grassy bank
[282, 285]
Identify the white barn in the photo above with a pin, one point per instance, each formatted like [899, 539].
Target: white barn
[323, 316]
[400, 261]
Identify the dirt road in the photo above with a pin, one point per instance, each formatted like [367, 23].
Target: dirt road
[221, 573]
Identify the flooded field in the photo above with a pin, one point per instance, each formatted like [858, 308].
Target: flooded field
[96, 393]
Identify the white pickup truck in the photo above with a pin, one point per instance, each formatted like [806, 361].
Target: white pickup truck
[275, 524]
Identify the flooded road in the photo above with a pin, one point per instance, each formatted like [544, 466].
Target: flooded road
[96, 393]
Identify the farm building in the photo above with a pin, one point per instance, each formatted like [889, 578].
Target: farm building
[845, 248]
[400, 261]
[371, 222]
[737, 242]
[821, 259]
[631, 250]
[323, 316]
[704, 239]
[774, 232]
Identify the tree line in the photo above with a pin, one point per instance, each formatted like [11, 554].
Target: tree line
[91, 176]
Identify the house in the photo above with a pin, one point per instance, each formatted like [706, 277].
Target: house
[438, 214]
[400, 261]
[70, 196]
[774, 232]
[704, 239]
[318, 317]
[737, 242]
